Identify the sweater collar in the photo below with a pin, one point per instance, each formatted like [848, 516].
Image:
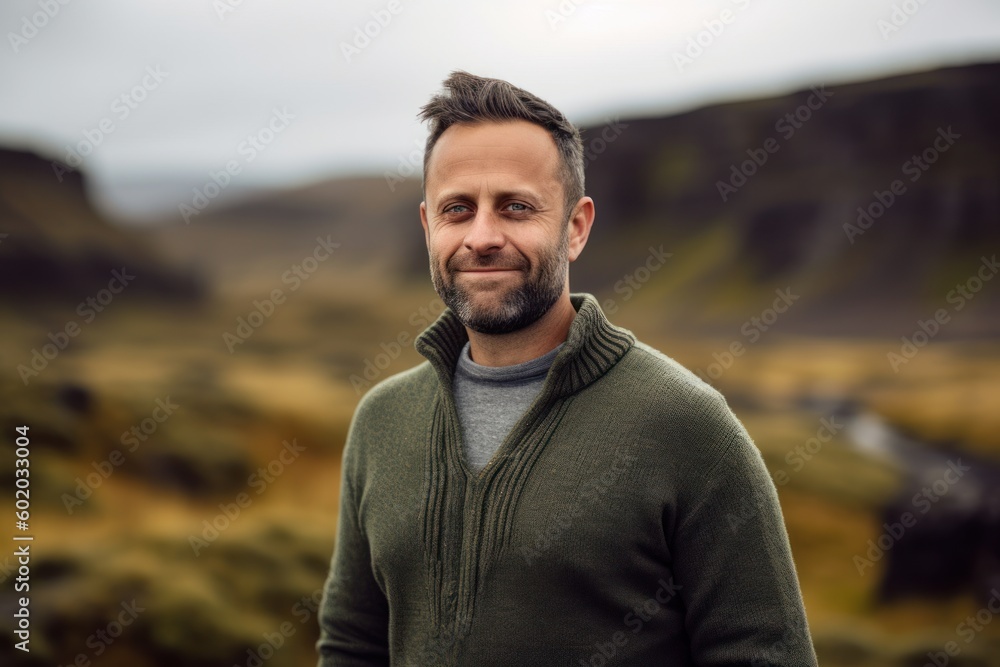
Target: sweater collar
[593, 345]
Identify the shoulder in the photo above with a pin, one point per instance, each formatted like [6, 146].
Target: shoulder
[386, 412]
[674, 405]
[396, 392]
[655, 378]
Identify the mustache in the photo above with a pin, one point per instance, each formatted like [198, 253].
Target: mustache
[489, 262]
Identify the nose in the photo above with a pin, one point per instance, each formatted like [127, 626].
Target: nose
[485, 233]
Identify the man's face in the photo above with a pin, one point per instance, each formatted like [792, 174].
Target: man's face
[495, 226]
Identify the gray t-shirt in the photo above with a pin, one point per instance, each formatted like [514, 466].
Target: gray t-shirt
[490, 400]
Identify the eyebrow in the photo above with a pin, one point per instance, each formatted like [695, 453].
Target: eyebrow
[503, 194]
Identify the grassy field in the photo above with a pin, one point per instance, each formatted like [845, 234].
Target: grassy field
[207, 598]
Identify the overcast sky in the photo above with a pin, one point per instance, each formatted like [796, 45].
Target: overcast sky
[201, 76]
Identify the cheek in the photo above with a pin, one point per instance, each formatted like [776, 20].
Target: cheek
[535, 247]
[441, 249]
[447, 241]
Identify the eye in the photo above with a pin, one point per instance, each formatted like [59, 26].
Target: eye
[518, 207]
[457, 208]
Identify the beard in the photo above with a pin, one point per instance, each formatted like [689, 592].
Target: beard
[519, 306]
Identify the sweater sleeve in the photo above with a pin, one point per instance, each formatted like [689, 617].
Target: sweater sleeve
[732, 558]
[354, 613]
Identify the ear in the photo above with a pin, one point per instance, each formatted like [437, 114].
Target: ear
[423, 223]
[579, 226]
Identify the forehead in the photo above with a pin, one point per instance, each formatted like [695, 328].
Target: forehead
[508, 153]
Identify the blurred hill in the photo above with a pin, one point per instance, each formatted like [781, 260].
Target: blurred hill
[813, 158]
[796, 221]
[235, 243]
[57, 248]
[122, 491]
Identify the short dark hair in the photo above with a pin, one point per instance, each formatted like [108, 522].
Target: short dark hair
[468, 98]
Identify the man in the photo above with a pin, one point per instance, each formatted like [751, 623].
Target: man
[545, 489]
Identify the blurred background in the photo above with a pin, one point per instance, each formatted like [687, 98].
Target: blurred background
[210, 249]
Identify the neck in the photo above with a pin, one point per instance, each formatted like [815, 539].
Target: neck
[525, 344]
[593, 345]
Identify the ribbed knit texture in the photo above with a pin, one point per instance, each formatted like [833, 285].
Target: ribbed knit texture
[627, 519]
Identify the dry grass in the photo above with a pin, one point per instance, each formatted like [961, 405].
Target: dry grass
[291, 380]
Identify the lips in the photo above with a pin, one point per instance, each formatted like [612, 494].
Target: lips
[456, 267]
[477, 275]
[497, 268]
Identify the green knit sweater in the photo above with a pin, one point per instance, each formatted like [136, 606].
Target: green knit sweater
[627, 519]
